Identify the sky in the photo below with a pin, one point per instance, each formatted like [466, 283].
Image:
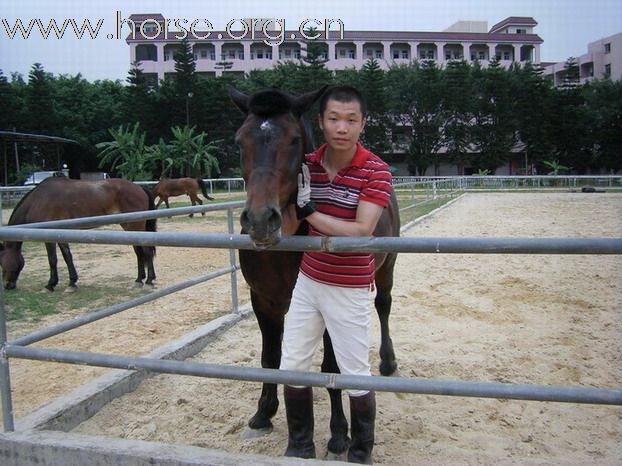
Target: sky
[566, 26]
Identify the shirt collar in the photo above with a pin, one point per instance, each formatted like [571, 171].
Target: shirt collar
[360, 156]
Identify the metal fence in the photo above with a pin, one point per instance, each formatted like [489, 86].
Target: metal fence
[55, 231]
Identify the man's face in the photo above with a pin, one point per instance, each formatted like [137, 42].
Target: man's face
[342, 124]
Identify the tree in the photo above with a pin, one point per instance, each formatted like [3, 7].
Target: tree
[416, 105]
[377, 129]
[533, 112]
[185, 82]
[125, 154]
[603, 101]
[191, 155]
[9, 100]
[40, 101]
[458, 109]
[493, 133]
[138, 102]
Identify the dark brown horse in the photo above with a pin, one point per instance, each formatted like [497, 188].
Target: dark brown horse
[170, 187]
[270, 162]
[62, 198]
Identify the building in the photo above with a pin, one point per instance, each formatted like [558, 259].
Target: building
[260, 43]
[603, 60]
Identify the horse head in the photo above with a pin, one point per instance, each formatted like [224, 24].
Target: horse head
[272, 143]
[12, 263]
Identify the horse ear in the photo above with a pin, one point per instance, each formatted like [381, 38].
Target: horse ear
[305, 101]
[239, 99]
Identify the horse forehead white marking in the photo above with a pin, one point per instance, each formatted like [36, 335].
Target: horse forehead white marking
[266, 126]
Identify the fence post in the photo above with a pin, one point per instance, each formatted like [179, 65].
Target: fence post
[232, 262]
[5, 375]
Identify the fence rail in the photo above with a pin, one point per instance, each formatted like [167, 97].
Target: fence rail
[41, 232]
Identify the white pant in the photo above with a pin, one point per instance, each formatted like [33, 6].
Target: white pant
[345, 312]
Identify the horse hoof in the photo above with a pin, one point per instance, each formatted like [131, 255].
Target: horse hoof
[330, 456]
[71, 289]
[249, 433]
[388, 369]
[50, 289]
[138, 284]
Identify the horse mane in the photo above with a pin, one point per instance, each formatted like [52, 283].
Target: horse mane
[270, 102]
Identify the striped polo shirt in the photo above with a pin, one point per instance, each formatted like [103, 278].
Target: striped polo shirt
[367, 178]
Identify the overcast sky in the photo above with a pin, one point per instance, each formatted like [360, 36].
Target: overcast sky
[566, 26]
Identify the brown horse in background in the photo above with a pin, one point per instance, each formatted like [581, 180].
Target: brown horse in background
[170, 187]
[272, 142]
[60, 198]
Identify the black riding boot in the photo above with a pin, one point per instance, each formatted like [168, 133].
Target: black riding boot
[362, 420]
[299, 411]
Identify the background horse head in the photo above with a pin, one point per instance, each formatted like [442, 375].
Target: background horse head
[62, 198]
[170, 187]
[272, 142]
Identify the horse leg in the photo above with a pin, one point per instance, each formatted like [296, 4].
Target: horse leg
[198, 199]
[384, 285]
[53, 261]
[138, 250]
[271, 336]
[148, 254]
[73, 273]
[339, 441]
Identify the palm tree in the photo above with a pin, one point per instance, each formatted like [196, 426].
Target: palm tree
[125, 153]
[191, 155]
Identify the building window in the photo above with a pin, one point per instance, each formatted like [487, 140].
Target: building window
[351, 54]
[396, 54]
[288, 53]
[259, 53]
[268, 54]
[506, 55]
[405, 54]
[378, 54]
[296, 54]
[167, 56]
[521, 31]
[608, 47]
[212, 55]
[195, 56]
[203, 54]
[482, 55]
[608, 70]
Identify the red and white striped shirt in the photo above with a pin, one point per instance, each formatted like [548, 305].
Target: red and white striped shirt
[367, 178]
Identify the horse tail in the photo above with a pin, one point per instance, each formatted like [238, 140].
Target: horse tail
[204, 189]
[151, 224]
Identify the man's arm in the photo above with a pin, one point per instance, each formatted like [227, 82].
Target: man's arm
[367, 216]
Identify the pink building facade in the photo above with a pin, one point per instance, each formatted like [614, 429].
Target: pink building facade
[154, 42]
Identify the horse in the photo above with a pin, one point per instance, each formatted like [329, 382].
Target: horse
[60, 198]
[168, 187]
[270, 163]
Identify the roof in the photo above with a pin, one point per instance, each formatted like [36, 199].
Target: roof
[12, 136]
[414, 36]
[514, 21]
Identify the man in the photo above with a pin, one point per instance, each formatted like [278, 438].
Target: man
[342, 191]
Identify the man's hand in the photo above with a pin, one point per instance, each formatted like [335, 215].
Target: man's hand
[304, 205]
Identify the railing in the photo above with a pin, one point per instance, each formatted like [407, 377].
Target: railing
[50, 232]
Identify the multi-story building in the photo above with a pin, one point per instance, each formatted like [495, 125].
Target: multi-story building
[260, 44]
[603, 60]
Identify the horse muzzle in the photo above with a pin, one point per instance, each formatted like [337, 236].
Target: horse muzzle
[262, 225]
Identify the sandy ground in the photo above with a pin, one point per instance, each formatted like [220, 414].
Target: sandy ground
[504, 318]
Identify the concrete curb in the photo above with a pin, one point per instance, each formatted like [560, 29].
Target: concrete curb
[66, 412]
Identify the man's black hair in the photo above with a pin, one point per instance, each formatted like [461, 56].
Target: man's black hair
[343, 94]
